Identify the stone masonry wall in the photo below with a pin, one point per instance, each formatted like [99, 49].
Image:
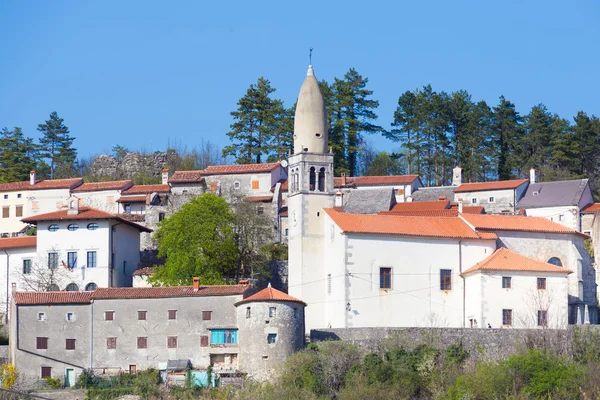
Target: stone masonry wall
[130, 165]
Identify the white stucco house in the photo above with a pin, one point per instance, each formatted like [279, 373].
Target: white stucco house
[16, 257]
[497, 197]
[101, 195]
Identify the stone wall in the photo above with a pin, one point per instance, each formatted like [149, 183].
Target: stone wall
[482, 344]
[130, 165]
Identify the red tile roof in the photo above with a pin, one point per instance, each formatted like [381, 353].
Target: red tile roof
[143, 271]
[516, 223]
[495, 185]
[85, 213]
[240, 168]
[146, 189]
[473, 210]
[13, 186]
[422, 205]
[422, 213]
[401, 225]
[505, 260]
[376, 180]
[257, 199]
[270, 294]
[18, 242]
[98, 186]
[592, 208]
[132, 199]
[24, 298]
[187, 177]
[41, 185]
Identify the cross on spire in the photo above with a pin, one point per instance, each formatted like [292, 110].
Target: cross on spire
[310, 56]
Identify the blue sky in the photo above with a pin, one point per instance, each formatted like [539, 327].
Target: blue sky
[146, 73]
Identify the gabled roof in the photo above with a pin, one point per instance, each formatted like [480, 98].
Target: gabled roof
[369, 201]
[270, 294]
[18, 242]
[98, 186]
[240, 168]
[553, 194]
[453, 228]
[146, 189]
[592, 208]
[132, 199]
[422, 205]
[505, 260]
[375, 180]
[187, 177]
[516, 223]
[42, 185]
[31, 298]
[494, 185]
[85, 213]
[422, 213]
[433, 193]
[14, 186]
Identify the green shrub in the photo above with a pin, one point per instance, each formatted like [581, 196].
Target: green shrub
[456, 354]
[108, 393]
[53, 383]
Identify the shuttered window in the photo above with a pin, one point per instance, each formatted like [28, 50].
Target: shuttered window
[172, 314]
[142, 315]
[111, 343]
[19, 211]
[41, 343]
[172, 342]
[203, 341]
[142, 342]
[70, 344]
[109, 315]
[206, 315]
[46, 372]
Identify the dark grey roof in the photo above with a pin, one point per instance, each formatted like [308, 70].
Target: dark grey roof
[177, 365]
[553, 194]
[434, 193]
[369, 201]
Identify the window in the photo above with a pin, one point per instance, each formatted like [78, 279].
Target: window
[206, 315]
[109, 315]
[5, 197]
[41, 316]
[542, 318]
[328, 283]
[91, 259]
[286, 231]
[255, 184]
[70, 316]
[203, 341]
[541, 283]
[223, 336]
[385, 278]
[561, 217]
[73, 227]
[213, 186]
[127, 208]
[506, 317]
[41, 343]
[71, 260]
[248, 312]
[72, 287]
[5, 212]
[142, 342]
[53, 288]
[555, 261]
[236, 185]
[506, 282]
[271, 338]
[474, 201]
[161, 216]
[91, 286]
[70, 344]
[19, 195]
[52, 260]
[19, 211]
[491, 199]
[92, 227]
[272, 312]
[260, 210]
[142, 315]
[46, 372]
[171, 342]
[53, 227]
[124, 266]
[445, 279]
[172, 314]
[111, 343]
[26, 267]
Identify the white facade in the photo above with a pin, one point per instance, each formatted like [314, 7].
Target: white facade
[566, 215]
[15, 259]
[105, 200]
[12, 203]
[494, 201]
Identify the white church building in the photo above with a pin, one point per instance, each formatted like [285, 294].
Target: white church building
[376, 269]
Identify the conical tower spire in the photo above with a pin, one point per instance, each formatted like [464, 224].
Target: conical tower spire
[310, 122]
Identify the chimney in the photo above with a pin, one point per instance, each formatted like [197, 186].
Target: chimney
[442, 198]
[196, 283]
[73, 205]
[32, 177]
[343, 179]
[165, 176]
[460, 207]
[532, 176]
[457, 176]
[14, 287]
[339, 199]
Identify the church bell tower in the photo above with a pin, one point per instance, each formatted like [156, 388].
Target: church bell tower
[310, 189]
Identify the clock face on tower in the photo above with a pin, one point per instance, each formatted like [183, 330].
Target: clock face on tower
[294, 218]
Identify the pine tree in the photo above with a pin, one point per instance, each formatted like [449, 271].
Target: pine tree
[335, 122]
[56, 145]
[506, 125]
[406, 130]
[17, 156]
[538, 132]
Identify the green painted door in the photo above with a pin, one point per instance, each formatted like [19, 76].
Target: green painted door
[69, 377]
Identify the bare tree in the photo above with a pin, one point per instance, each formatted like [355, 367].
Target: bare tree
[539, 304]
[44, 274]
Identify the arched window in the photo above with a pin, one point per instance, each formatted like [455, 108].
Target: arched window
[72, 287]
[53, 288]
[322, 180]
[295, 182]
[555, 261]
[73, 227]
[91, 286]
[53, 228]
[93, 226]
[313, 178]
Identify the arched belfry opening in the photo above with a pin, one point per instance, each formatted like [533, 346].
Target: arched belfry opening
[322, 179]
[313, 178]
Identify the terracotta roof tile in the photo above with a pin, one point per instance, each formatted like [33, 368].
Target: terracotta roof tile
[85, 213]
[133, 217]
[146, 189]
[422, 213]
[516, 223]
[41, 185]
[18, 242]
[592, 208]
[132, 199]
[13, 186]
[98, 186]
[422, 205]
[187, 177]
[506, 260]
[143, 271]
[257, 199]
[494, 185]
[30, 298]
[270, 294]
[240, 168]
[401, 225]
[375, 180]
